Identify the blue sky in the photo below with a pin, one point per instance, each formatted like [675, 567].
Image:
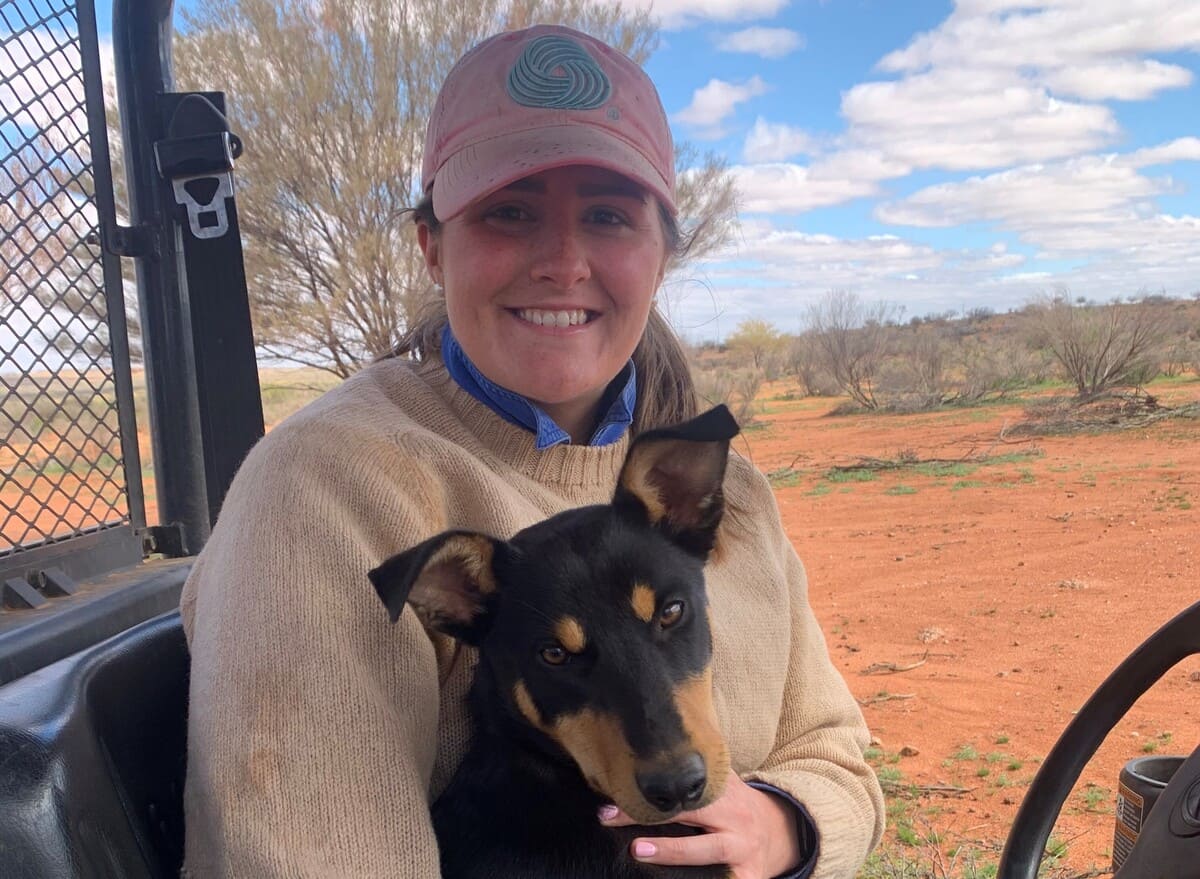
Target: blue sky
[939, 155]
[936, 154]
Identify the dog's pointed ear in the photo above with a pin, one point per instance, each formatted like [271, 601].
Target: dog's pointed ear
[449, 580]
[672, 478]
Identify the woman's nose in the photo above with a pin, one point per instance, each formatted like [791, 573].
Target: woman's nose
[560, 255]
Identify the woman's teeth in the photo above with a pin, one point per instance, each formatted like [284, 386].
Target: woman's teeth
[559, 319]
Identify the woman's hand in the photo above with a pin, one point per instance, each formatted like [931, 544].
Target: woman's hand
[752, 831]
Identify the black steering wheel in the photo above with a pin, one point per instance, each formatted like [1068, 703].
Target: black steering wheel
[1169, 843]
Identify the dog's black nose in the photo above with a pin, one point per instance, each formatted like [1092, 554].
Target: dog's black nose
[673, 787]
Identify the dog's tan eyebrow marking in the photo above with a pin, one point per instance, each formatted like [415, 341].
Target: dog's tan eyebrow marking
[570, 634]
[643, 602]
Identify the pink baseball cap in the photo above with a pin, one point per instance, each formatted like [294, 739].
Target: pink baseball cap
[540, 98]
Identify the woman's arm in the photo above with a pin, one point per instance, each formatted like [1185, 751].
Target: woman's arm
[313, 719]
[818, 753]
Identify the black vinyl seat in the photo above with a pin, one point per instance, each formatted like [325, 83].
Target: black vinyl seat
[92, 759]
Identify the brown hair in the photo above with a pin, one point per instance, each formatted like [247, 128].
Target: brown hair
[665, 391]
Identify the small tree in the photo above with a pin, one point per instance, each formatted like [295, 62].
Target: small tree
[803, 359]
[755, 340]
[853, 340]
[736, 388]
[995, 367]
[923, 355]
[1097, 346]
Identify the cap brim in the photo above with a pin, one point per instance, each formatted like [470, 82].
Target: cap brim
[481, 169]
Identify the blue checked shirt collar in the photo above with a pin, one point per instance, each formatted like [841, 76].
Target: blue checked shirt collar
[517, 410]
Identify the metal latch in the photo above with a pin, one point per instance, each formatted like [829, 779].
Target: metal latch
[197, 157]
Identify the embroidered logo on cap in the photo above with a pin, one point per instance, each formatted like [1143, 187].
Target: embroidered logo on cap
[558, 73]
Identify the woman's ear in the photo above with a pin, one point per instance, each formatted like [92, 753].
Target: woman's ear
[430, 243]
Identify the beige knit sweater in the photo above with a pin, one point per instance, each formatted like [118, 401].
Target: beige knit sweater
[319, 732]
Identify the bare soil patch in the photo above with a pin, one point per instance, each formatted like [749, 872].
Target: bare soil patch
[975, 602]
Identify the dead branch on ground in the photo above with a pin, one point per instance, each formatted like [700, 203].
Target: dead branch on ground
[885, 697]
[891, 668]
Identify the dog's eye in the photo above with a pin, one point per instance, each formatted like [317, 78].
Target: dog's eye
[555, 655]
[671, 614]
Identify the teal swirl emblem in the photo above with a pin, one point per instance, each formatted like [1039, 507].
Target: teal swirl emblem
[557, 73]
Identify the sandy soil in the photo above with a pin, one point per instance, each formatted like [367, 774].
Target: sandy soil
[1018, 585]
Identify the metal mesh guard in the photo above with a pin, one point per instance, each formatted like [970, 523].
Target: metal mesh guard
[60, 455]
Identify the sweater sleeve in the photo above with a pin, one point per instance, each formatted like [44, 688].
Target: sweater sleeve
[312, 719]
[817, 757]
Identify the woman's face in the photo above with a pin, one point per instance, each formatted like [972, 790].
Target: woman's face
[549, 283]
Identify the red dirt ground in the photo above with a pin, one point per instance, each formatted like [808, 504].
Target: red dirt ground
[1021, 584]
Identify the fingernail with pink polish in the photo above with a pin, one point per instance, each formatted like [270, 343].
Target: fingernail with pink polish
[643, 849]
[607, 812]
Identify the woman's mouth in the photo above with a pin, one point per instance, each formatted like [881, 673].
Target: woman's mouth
[560, 319]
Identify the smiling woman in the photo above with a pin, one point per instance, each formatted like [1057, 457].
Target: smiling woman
[547, 222]
[615, 219]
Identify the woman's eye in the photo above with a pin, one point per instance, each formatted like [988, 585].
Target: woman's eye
[508, 212]
[671, 614]
[554, 655]
[607, 217]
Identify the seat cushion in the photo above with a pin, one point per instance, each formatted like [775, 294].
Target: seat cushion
[92, 759]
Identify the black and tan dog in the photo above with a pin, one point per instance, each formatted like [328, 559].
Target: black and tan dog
[594, 682]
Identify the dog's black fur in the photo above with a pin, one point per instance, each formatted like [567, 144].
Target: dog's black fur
[593, 682]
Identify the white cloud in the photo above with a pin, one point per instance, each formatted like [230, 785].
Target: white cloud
[1050, 34]
[996, 259]
[768, 42]
[713, 103]
[785, 187]
[1076, 191]
[783, 253]
[788, 188]
[1179, 150]
[677, 14]
[858, 164]
[775, 142]
[970, 119]
[1098, 206]
[1123, 79]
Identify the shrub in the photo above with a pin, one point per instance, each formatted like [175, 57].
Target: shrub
[853, 339]
[1098, 346]
[736, 388]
